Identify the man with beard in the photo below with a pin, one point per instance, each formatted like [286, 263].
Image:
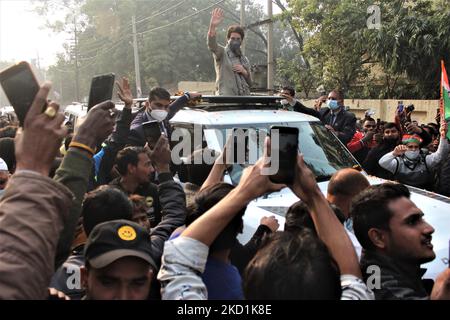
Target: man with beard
[363, 141]
[233, 76]
[391, 136]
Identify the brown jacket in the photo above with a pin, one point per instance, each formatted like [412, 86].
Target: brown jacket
[32, 215]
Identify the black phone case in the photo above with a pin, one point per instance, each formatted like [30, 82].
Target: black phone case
[102, 88]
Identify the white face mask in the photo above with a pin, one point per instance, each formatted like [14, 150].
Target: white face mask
[412, 155]
[284, 102]
[159, 115]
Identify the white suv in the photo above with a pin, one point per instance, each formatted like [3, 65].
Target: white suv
[322, 151]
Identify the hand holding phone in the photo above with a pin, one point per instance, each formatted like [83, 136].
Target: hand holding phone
[284, 142]
[101, 89]
[20, 86]
[152, 132]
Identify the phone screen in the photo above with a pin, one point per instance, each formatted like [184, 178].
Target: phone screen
[101, 89]
[20, 86]
[152, 132]
[287, 149]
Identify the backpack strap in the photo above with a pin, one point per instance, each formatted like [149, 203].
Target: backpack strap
[396, 168]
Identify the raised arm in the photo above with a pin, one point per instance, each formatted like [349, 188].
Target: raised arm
[185, 257]
[76, 168]
[216, 20]
[34, 207]
[389, 161]
[171, 198]
[441, 153]
[327, 225]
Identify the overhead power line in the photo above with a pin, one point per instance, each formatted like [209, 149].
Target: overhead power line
[180, 20]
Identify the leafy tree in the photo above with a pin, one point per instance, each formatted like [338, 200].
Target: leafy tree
[171, 40]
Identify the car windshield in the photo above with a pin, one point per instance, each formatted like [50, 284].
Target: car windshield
[322, 151]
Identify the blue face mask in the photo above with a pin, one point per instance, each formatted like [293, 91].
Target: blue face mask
[333, 104]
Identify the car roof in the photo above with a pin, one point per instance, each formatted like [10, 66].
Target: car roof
[238, 110]
[239, 117]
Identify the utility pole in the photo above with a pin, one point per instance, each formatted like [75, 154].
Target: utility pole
[270, 64]
[243, 23]
[136, 59]
[77, 72]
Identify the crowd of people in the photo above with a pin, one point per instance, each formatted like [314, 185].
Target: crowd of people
[95, 213]
[99, 215]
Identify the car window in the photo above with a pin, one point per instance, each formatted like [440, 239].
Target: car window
[322, 151]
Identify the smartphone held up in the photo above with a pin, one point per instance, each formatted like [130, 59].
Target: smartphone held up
[20, 86]
[284, 148]
[101, 89]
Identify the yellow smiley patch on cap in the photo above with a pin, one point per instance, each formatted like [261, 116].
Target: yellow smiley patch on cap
[127, 233]
[149, 201]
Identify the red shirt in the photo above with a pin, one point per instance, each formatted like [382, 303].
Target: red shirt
[357, 144]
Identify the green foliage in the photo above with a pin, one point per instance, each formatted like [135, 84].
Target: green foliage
[407, 50]
[172, 45]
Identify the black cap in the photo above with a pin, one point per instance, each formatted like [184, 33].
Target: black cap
[112, 240]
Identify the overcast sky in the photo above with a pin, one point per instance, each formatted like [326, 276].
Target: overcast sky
[23, 37]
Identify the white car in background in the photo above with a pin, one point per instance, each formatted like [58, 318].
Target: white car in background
[75, 111]
[322, 151]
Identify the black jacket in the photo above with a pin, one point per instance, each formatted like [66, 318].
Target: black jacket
[395, 282]
[114, 144]
[241, 254]
[371, 165]
[299, 107]
[344, 125]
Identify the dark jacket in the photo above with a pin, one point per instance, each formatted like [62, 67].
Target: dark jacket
[137, 137]
[67, 277]
[299, 107]
[113, 145]
[173, 204]
[396, 283]
[241, 255]
[344, 125]
[173, 210]
[371, 165]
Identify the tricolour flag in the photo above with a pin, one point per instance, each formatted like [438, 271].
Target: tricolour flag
[445, 96]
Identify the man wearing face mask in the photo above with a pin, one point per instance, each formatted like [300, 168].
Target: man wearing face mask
[411, 167]
[336, 119]
[233, 76]
[158, 107]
